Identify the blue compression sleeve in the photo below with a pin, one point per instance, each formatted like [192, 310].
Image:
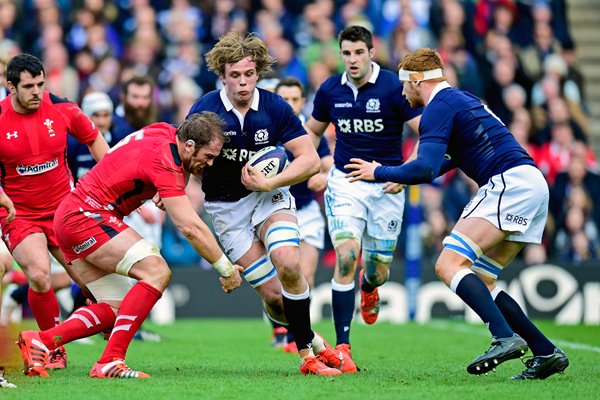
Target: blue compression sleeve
[424, 169]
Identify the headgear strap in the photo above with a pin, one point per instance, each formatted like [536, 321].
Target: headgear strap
[406, 75]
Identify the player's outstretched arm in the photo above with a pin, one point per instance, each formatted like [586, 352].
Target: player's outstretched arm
[201, 238]
[6, 202]
[98, 147]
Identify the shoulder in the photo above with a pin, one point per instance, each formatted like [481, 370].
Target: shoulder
[388, 78]
[209, 101]
[51, 98]
[331, 83]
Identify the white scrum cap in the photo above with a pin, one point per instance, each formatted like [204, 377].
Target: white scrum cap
[96, 101]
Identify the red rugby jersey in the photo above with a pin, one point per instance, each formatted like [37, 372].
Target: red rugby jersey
[33, 165]
[141, 164]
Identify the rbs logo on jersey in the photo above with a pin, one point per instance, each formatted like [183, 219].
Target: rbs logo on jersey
[37, 168]
[360, 125]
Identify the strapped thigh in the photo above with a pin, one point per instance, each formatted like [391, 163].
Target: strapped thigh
[461, 244]
[140, 250]
[282, 233]
[487, 266]
[259, 271]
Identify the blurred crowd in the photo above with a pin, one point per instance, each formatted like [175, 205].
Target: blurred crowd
[517, 55]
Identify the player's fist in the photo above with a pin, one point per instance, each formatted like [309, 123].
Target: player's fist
[233, 281]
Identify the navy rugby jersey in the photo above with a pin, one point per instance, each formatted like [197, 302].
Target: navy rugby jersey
[270, 120]
[302, 194]
[467, 134]
[368, 120]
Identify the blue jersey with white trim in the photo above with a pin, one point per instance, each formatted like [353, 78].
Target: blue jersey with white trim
[477, 141]
[369, 120]
[270, 120]
[302, 194]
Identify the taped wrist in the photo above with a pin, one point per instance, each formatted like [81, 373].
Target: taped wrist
[223, 266]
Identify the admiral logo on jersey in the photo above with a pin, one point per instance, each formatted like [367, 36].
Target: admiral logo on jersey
[37, 168]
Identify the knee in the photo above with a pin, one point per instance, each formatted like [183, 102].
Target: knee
[346, 260]
[38, 278]
[287, 262]
[155, 272]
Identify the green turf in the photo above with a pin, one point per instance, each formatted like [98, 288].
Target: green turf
[232, 359]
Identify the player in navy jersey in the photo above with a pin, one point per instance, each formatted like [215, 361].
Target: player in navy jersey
[366, 105]
[255, 217]
[509, 210]
[310, 218]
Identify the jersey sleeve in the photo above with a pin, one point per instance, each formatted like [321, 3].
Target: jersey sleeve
[290, 126]
[167, 172]
[320, 107]
[81, 127]
[436, 123]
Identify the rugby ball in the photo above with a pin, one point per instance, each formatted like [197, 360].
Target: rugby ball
[270, 160]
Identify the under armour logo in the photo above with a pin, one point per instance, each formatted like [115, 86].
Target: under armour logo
[9, 135]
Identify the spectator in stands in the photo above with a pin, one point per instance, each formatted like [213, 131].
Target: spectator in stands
[137, 108]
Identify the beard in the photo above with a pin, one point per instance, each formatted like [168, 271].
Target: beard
[140, 117]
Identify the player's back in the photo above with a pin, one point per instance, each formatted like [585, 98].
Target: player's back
[479, 143]
[141, 164]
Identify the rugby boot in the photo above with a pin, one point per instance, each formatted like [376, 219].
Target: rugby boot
[348, 365]
[58, 359]
[34, 352]
[541, 367]
[115, 369]
[310, 365]
[501, 350]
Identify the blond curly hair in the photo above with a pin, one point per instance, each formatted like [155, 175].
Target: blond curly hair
[235, 46]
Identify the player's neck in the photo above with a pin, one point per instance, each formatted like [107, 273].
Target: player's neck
[242, 107]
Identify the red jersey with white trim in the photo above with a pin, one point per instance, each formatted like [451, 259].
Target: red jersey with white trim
[33, 166]
[141, 164]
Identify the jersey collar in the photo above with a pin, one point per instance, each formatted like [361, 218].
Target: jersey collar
[372, 78]
[229, 106]
[439, 87]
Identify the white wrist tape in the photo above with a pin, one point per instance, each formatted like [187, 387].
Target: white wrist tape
[223, 266]
[406, 75]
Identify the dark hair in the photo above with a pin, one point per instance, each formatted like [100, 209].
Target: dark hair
[20, 63]
[290, 81]
[202, 128]
[356, 33]
[139, 81]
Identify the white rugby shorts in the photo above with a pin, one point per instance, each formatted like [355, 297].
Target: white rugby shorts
[514, 201]
[235, 222]
[312, 225]
[363, 206]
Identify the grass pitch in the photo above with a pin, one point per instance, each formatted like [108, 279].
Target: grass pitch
[232, 359]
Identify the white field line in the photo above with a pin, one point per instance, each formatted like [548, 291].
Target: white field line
[476, 329]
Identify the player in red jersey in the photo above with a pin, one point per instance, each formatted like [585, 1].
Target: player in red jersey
[156, 160]
[35, 176]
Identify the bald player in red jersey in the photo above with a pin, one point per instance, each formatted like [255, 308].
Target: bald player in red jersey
[105, 251]
[35, 176]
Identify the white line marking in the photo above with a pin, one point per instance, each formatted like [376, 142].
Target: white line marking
[473, 329]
